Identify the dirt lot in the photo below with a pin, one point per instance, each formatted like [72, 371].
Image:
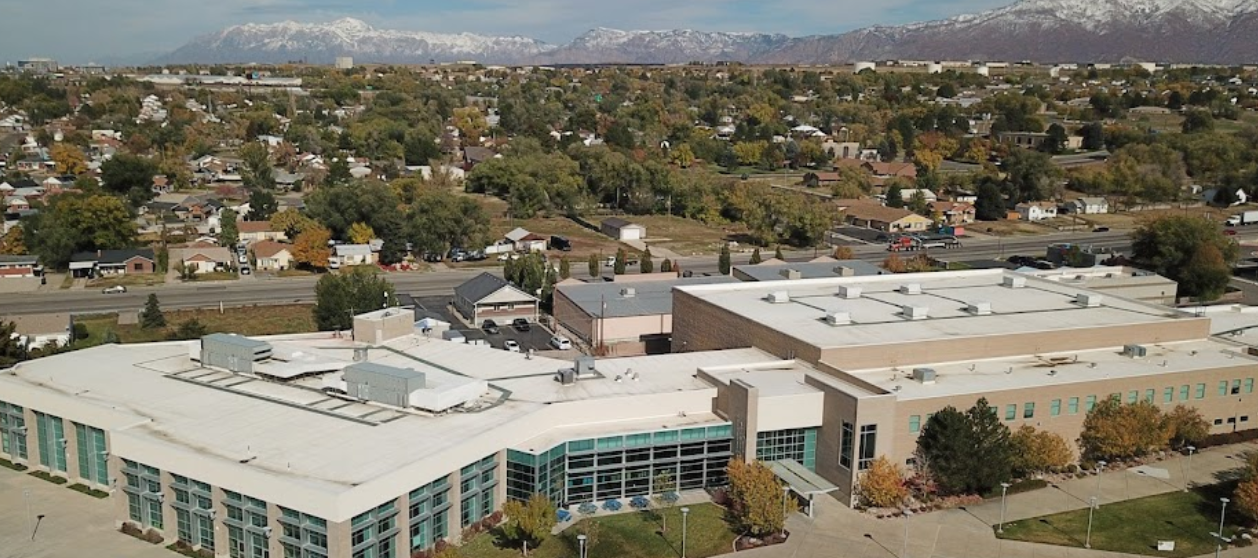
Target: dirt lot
[245, 320]
[685, 236]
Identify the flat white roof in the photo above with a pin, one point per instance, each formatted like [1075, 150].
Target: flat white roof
[877, 318]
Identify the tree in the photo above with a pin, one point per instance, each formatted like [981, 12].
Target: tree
[73, 223]
[646, 265]
[894, 195]
[666, 266]
[470, 123]
[184, 271]
[682, 156]
[990, 205]
[440, 220]
[1055, 142]
[529, 523]
[190, 329]
[360, 233]
[1185, 426]
[723, 260]
[1038, 451]
[291, 221]
[129, 176]
[967, 453]
[310, 248]
[565, 269]
[69, 159]
[1189, 250]
[1029, 175]
[664, 494]
[592, 265]
[151, 317]
[229, 233]
[1093, 134]
[1246, 494]
[777, 254]
[338, 173]
[882, 486]
[843, 253]
[262, 205]
[918, 204]
[621, 263]
[1197, 120]
[1113, 430]
[755, 256]
[13, 243]
[756, 498]
[339, 297]
[256, 171]
[12, 350]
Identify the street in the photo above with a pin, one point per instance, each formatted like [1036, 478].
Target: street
[301, 289]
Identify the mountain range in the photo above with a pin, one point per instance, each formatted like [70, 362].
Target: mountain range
[1203, 31]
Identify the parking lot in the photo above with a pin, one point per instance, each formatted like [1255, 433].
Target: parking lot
[536, 338]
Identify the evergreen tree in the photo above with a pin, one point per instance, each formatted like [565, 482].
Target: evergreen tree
[967, 453]
[990, 205]
[755, 257]
[565, 271]
[592, 264]
[1055, 143]
[666, 266]
[777, 253]
[646, 265]
[229, 231]
[151, 317]
[895, 196]
[622, 261]
[723, 261]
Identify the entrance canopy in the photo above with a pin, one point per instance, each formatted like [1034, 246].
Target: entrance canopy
[800, 479]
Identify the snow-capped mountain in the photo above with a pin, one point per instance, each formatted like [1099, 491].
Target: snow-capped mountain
[1207, 31]
[323, 42]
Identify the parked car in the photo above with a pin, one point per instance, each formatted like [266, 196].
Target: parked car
[490, 327]
[521, 324]
[1229, 232]
[116, 289]
[476, 256]
[244, 270]
[511, 345]
[560, 243]
[1101, 229]
[243, 259]
[560, 342]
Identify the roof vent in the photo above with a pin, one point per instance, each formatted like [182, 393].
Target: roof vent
[779, 297]
[911, 289]
[628, 292]
[849, 292]
[1135, 351]
[924, 375]
[1014, 282]
[790, 274]
[566, 377]
[1088, 300]
[844, 271]
[979, 308]
[838, 318]
[914, 312]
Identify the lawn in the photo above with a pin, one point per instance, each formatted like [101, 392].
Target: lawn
[245, 320]
[215, 276]
[1136, 526]
[625, 535]
[128, 280]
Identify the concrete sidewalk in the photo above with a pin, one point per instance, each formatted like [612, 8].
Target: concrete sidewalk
[839, 532]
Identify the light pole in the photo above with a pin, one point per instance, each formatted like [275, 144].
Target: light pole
[684, 513]
[1100, 469]
[581, 545]
[786, 490]
[1218, 547]
[1087, 541]
[1191, 450]
[904, 550]
[1004, 491]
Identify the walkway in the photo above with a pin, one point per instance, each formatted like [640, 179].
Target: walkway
[839, 532]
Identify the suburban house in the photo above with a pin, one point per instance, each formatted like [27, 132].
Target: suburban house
[113, 262]
[525, 241]
[815, 179]
[489, 297]
[272, 256]
[206, 259]
[473, 156]
[880, 171]
[257, 231]
[1028, 140]
[1088, 206]
[631, 316]
[1036, 211]
[889, 219]
[907, 194]
[19, 266]
[353, 254]
[953, 213]
[36, 331]
[825, 267]
[621, 229]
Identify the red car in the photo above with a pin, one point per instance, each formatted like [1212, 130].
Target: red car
[1229, 232]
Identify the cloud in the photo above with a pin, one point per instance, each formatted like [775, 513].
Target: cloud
[91, 28]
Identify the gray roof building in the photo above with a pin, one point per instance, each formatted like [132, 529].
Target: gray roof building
[806, 270]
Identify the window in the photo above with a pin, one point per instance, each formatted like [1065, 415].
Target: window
[1168, 395]
[1183, 392]
[1201, 391]
[1244, 418]
[1249, 385]
[137, 266]
[1223, 387]
[1011, 411]
[869, 442]
[1133, 396]
[52, 441]
[1217, 422]
[12, 430]
[915, 423]
[1149, 395]
[1028, 410]
[846, 436]
[1054, 408]
[1089, 403]
[1072, 406]
[93, 459]
[1236, 387]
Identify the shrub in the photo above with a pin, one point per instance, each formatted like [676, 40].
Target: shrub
[757, 498]
[882, 486]
[1038, 451]
[132, 529]
[11, 465]
[152, 536]
[1185, 427]
[1229, 438]
[85, 489]
[1114, 431]
[48, 477]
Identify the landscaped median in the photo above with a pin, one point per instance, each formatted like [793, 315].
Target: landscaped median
[1137, 526]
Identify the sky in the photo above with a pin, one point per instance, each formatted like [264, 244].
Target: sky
[106, 30]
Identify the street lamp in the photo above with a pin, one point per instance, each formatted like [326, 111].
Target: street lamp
[1100, 468]
[684, 513]
[1087, 541]
[786, 490]
[1004, 491]
[581, 544]
[1191, 450]
[904, 550]
[1218, 547]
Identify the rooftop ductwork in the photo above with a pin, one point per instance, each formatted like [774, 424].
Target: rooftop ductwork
[849, 292]
[1135, 351]
[779, 297]
[914, 312]
[924, 375]
[844, 271]
[979, 308]
[1014, 282]
[838, 318]
[790, 274]
[911, 289]
[1088, 300]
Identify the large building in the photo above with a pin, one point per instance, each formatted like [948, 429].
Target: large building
[320, 446]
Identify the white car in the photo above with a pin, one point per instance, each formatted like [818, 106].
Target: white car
[560, 343]
[116, 289]
[243, 259]
[511, 345]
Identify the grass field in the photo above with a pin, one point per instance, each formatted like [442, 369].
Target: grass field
[128, 280]
[245, 320]
[626, 535]
[1136, 526]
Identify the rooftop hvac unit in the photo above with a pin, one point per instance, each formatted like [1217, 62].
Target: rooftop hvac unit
[1088, 300]
[779, 297]
[791, 274]
[360, 354]
[914, 312]
[1135, 351]
[838, 318]
[924, 375]
[585, 366]
[844, 271]
[566, 377]
[849, 292]
[1014, 282]
[911, 289]
[979, 308]
[628, 292]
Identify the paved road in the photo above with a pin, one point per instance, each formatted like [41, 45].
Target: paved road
[301, 289]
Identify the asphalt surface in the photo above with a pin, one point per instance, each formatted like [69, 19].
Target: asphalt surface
[442, 283]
